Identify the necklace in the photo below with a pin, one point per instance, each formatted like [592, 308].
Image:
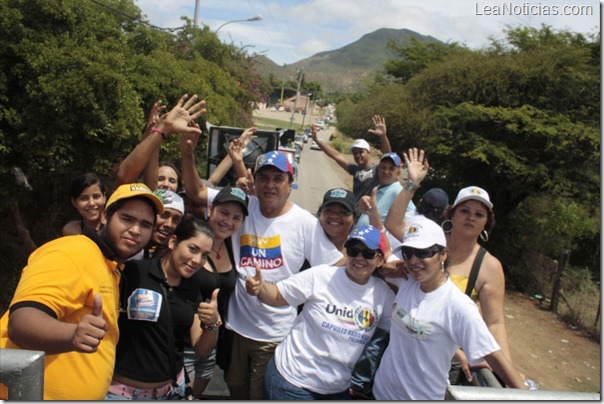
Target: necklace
[217, 252]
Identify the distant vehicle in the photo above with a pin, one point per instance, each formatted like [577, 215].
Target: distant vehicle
[299, 141]
[314, 146]
[273, 109]
[306, 135]
[281, 109]
[320, 124]
[291, 156]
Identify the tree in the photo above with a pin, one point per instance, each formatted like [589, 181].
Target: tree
[519, 118]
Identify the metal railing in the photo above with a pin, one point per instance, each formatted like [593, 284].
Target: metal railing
[463, 393]
[22, 372]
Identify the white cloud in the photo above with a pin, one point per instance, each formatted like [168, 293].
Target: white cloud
[296, 29]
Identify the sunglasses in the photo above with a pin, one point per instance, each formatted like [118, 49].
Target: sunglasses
[365, 252]
[423, 253]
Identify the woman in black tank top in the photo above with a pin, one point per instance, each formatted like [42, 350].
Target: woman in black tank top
[226, 215]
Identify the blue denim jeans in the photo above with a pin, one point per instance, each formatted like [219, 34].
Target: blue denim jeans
[277, 388]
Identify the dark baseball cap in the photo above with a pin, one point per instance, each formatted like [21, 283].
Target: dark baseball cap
[435, 198]
[342, 196]
[232, 194]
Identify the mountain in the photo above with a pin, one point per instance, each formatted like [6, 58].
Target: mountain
[345, 69]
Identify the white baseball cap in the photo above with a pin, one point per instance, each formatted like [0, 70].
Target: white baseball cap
[361, 144]
[171, 200]
[476, 193]
[422, 234]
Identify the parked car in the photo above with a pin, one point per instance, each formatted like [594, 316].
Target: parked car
[314, 146]
[320, 124]
[281, 109]
[306, 135]
[299, 140]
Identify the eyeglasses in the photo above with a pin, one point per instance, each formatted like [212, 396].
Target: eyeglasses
[423, 253]
[365, 252]
[330, 211]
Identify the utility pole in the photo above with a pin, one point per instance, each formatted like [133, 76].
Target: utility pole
[282, 85]
[305, 110]
[196, 17]
[291, 121]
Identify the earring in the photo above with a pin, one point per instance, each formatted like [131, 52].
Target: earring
[442, 266]
[447, 226]
[484, 236]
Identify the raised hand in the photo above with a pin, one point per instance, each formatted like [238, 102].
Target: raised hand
[188, 142]
[368, 202]
[394, 269]
[155, 115]
[380, 126]
[253, 284]
[91, 329]
[235, 150]
[177, 120]
[417, 166]
[208, 311]
[247, 183]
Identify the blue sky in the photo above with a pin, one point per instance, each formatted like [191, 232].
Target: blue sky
[292, 30]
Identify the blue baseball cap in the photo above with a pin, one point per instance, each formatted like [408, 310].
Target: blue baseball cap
[278, 160]
[370, 236]
[394, 157]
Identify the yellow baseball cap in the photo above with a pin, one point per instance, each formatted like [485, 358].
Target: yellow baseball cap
[131, 190]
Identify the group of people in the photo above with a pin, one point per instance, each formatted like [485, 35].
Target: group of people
[156, 285]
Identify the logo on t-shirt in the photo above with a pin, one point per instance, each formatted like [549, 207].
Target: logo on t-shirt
[414, 327]
[263, 250]
[364, 175]
[364, 318]
[144, 304]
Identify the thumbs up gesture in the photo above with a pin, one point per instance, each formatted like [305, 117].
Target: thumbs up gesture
[91, 329]
[208, 311]
[253, 284]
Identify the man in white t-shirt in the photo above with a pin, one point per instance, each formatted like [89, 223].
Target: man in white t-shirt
[365, 174]
[279, 235]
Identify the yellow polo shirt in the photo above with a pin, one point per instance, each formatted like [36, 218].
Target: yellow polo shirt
[63, 275]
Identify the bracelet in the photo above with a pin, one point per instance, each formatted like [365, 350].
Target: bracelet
[212, 327]
[161, 132]
[410, 186]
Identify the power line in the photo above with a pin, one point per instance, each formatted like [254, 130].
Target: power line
[135, 18]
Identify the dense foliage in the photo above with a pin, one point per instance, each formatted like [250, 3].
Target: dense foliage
[520, 118]
[76, 84]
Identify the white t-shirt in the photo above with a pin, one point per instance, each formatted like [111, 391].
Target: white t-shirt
[328, 337]
[281, 245]
[425, 332]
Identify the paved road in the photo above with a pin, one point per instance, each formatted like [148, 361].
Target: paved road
[315, 176]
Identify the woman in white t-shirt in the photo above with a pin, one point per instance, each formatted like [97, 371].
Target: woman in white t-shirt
[343, 306]
[430, 319]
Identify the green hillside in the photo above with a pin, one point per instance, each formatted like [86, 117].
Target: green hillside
[344, 69]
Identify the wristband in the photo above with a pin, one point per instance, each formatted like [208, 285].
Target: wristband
[212, 327]
[161, 132]
[410, 186]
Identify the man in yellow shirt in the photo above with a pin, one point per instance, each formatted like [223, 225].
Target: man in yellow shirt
[67, 300]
